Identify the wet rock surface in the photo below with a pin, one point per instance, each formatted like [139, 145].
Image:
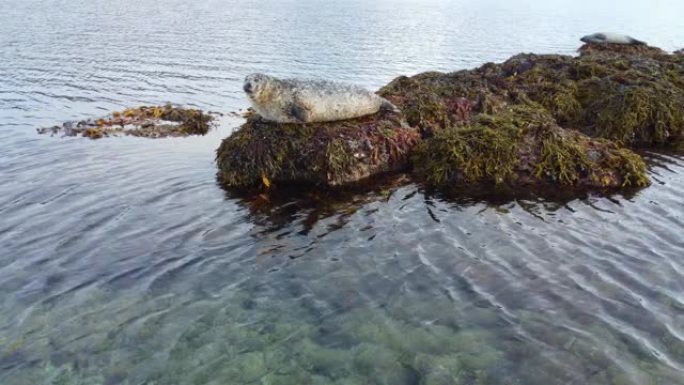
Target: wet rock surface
[144, 121]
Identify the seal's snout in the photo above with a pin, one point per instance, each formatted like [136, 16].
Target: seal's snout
[247, 87]
[584, 39]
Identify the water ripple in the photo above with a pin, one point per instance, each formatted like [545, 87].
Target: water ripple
[122, 261]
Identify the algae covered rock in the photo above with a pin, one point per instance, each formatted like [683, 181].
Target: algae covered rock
[433, 101]
[633, 94]
[531, 120]
[523, 147]
[144, 121]
[328, 154]
[619, 49]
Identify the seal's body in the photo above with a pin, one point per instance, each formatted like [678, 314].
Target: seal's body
[611, 38]
[308, 101]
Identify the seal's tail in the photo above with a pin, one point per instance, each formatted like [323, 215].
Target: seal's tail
[388, 106]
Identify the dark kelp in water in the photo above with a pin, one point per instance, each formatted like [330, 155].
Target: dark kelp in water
[534, 120]
[144, 121]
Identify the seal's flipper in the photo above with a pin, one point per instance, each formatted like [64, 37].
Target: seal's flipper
[388, 106]
[298, 112]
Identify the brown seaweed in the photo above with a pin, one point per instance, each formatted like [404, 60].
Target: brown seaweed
[144, 121]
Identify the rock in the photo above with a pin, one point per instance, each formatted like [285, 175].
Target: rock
[327, 154]
[630, 97]
[144, 121]
[620, 49]
[516, 148]
[531, 120]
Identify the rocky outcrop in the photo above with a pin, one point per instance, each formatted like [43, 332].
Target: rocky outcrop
[522, 146]
[531, 120]
[631, 94]
[330, 154]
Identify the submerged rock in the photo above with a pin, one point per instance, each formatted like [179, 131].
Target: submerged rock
[531, 120]
[144, 121]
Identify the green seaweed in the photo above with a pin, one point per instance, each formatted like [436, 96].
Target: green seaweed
[340, 158]
[640, 115]
[524, 145]
[562, 160]
[467, 155]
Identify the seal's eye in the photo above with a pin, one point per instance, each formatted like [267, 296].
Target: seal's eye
[247, 87]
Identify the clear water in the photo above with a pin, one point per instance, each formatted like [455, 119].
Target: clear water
[123, 262]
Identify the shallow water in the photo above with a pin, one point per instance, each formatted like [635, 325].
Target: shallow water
[123, 262]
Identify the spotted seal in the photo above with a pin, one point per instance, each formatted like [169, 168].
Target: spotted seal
[611, 38]
[309, 101]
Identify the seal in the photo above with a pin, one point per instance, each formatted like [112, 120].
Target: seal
[309, 101]
[611, 38]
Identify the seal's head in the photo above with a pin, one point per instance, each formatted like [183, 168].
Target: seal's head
[256, 85]
[595, 38]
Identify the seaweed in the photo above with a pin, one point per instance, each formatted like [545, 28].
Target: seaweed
[327, 154]
[634, 114]
[143, 121]
[632, 99]
[523, 147]
[531, 120]
[467, 155]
